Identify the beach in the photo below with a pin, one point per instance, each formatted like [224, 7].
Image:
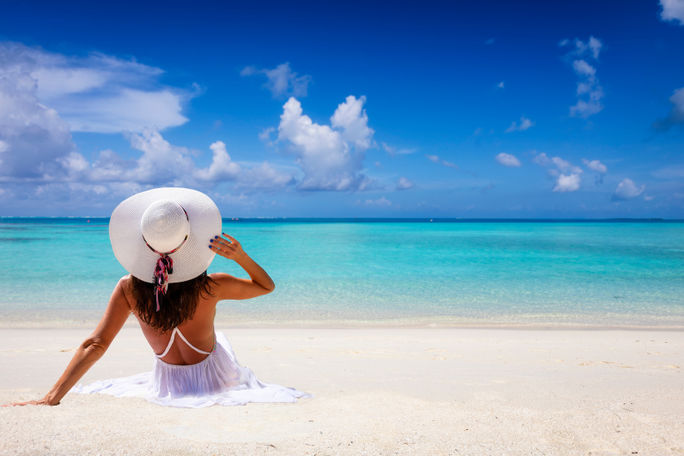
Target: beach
[413, 337]
[382, 390]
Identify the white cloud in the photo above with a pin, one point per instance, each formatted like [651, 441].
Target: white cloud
[161, 161]
[567, 183]
[508, 160]
[595, 46]
[589, 91]
[595, 165]
[221, 168]
[564, 165]
[404, 184]
[96, 93]
[627, 190]
[591, 47]
[352, 120]
[500, 85]
[439, 161]
[127, 110]
[673, 10]
[281, 80]
[34, 136]
[582, 68]
[330, 158]
[676, 116]
[542, 159]
[264, 177]
[395, 151]
[266, 133]
[524, 124]
[567, 175]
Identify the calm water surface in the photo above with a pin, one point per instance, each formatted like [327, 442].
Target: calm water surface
[446, 272]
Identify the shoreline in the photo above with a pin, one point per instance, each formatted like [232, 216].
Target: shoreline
[532, 322]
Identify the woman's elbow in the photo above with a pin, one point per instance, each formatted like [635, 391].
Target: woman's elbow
[95, 345]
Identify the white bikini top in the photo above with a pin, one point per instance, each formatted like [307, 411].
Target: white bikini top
[173, 337]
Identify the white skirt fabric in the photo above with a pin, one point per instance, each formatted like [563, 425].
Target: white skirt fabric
[217, 380]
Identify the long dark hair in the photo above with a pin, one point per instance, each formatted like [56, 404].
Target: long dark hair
[177, 305]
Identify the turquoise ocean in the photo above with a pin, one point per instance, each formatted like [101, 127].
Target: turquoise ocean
[61, 271]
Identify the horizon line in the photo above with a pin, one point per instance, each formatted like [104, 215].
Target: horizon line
[385, 219]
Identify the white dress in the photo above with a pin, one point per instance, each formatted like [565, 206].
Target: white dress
[216, 380]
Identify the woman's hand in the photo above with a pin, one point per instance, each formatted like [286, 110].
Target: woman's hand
[43, 401]
[230, 287]
[228, 248]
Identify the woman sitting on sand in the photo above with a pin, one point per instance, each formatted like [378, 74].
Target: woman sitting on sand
[166, 238]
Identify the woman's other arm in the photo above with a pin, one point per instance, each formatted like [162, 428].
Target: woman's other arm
[91, 349]
[229, 287]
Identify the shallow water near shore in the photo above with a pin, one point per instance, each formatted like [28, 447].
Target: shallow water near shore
[358, 272]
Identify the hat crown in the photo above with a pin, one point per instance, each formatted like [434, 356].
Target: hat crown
[164, 225]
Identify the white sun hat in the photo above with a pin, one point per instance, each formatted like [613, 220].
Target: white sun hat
[165, 223]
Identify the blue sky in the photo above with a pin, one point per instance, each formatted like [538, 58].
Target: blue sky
[361, 109]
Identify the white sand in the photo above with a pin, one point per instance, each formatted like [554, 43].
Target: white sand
[376, 391]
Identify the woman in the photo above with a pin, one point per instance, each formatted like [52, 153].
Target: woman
[166, 238]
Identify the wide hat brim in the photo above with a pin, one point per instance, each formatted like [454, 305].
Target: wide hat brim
[189, 261]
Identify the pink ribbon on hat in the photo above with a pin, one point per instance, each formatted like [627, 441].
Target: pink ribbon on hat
[161, 276]
[163, 268]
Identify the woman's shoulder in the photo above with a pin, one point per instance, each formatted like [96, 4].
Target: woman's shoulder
[125, 282]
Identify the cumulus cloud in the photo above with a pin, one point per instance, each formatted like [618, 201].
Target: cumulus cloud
[329, 155]
[281, 81]
[627, 190]
[589, 92]
[676, 116]
[221, 167]
[34, 137]
[351, 119]
[160, 161]
[567, 175]
[524, 124]
[567, 183]
[96, 93]
[265, 177]
[672, 10]
[404, 184]
[508, 160]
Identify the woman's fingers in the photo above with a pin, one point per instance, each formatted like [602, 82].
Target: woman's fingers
[232, 239]
[20, 404]
[228, 248]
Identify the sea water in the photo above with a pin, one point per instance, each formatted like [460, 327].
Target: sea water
[57, 270]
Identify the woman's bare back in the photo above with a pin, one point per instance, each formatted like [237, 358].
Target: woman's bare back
[199, 331]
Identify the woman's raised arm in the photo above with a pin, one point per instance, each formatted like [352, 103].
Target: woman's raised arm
[91, 349]
[230, 287]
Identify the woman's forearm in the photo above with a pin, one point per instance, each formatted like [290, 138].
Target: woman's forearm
[256, 272]
[86, 355]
